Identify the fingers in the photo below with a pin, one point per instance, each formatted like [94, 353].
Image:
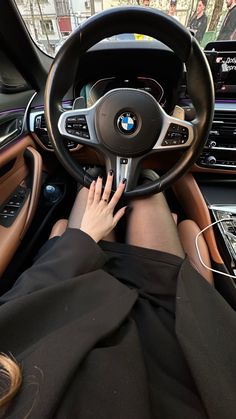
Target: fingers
[117, 195]
[95, 191]
[118, 215]
[107, 190]
[98, 190]
[91, 193]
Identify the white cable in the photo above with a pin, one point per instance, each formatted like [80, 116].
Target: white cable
[198, 251]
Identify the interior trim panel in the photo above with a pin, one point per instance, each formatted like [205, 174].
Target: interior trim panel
[23, 175]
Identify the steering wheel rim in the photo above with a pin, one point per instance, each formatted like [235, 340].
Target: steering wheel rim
[136, 20]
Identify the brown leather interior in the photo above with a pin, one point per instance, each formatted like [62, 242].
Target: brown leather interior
[14, 176]
[188, 231]
[36, 185]
[10, 237]
[199, 169]
[194, 205]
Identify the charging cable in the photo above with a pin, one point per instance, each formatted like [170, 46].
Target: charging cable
[199, 254]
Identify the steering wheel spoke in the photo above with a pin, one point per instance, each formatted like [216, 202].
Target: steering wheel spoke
[175, 134]
[78, 125]
[124, 168]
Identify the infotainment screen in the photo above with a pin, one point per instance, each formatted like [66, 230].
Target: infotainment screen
[227, 84]
[222, 60]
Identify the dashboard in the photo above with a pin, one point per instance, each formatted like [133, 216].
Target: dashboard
[96, 89]
[154, 68]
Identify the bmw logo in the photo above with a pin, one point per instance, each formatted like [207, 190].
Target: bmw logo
[127, 123]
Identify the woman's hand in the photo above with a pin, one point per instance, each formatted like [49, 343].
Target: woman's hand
[99, 219]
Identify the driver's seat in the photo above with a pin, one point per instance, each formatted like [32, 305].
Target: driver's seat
[188, 231]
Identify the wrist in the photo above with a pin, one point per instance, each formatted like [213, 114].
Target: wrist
[90, 234]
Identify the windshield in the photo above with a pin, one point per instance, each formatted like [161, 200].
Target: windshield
[50, 22]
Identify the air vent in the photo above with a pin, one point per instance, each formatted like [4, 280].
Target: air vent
[224, 123]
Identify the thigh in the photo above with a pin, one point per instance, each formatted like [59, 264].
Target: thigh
[152, 226]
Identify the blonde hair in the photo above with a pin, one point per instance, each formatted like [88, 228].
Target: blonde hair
[10, 379]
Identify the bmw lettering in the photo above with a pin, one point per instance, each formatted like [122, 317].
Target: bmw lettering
[127, 123]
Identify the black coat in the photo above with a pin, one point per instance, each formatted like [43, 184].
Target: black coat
[93, 347]
[228, 28]
[199, 25]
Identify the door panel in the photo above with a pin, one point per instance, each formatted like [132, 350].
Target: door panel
[20, 180]
[11, 125]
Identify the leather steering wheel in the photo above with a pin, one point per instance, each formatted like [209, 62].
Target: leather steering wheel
[128, 124]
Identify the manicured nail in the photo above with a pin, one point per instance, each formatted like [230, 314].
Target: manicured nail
[100, 177]
[124, 180]
[111, 172]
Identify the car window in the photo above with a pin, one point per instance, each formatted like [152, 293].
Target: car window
[50, 22]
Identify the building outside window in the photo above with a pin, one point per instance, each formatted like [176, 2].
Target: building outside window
[47, 26]
[62, 7]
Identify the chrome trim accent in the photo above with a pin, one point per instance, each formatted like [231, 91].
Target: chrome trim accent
[24, 125]
[223, 207]
[9, 135]
[221, 148]
[216, 166]
[225, 107]
[123, 170]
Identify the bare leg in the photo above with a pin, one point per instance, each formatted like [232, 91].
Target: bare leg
[77, 213]
[59, 228]
[152, 226]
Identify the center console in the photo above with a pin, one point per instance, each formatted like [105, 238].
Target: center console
[220, 148]
[225, 216]
[220, 196]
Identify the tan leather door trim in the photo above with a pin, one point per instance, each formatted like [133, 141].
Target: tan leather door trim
[34, 196]
[193, 203]
[11, 237]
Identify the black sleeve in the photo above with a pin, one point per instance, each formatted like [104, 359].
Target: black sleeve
[202, 29]
[75, 253]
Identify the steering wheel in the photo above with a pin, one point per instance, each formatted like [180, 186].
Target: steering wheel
[127, 124]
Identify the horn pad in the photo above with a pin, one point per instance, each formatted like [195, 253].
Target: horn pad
[128, 122]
